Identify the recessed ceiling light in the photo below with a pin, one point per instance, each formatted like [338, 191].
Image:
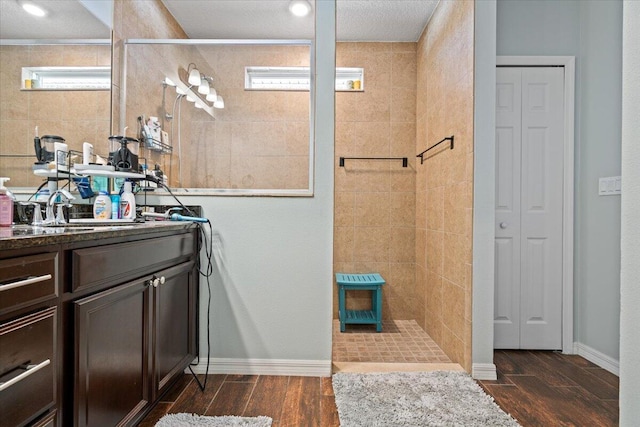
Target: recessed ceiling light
[33, 9]
[299, 7]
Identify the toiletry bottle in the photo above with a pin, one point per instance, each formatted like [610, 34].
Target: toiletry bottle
[127, 202]
[102, 206]
[115, 206]
[6, 205]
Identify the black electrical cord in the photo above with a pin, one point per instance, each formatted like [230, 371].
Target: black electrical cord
[39, 188]
[208, 248]
[201, 243]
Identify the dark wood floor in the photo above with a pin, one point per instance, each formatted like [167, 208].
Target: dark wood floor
[537, 388]
[290, 401]
[544, 388]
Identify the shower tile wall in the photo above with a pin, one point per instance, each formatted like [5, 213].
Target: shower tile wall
[375, 200]
[77, 116]
[260, 140]
[444, 183]
[145, 65]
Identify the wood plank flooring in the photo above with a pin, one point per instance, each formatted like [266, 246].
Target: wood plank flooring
[538, 388]
[289, 401]
[546, 388]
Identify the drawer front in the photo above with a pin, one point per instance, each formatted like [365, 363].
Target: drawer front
[28, 280]
[110, 264]
[27, 367]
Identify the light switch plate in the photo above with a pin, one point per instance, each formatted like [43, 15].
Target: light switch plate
[610, 186]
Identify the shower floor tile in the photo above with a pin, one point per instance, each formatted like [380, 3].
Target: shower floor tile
[401, 341]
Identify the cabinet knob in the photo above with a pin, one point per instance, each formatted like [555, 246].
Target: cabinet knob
[156, 282]
[162, 280]
[503, 225]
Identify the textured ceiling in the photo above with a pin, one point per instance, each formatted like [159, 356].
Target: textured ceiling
[357, 20]
[66, 19]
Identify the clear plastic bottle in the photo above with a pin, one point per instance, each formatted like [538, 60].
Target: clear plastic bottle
[6, 205]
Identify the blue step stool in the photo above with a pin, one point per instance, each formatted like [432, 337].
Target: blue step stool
[360, 282]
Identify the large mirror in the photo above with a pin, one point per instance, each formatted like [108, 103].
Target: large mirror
[72, 33]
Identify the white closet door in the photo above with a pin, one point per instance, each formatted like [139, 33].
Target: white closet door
[529, 174]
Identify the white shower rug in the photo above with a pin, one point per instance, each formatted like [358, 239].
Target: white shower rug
[193, 420]
[412, 399]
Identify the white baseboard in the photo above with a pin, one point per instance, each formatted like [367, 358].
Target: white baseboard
[287, 367]
[594, 356]
[484, 371]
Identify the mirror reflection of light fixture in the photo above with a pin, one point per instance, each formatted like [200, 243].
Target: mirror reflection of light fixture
[194, 75]
[203, 88]
[212, 96]
[180, 91]
[33, 9]
[198, 105]
[190, 99]
[219, 102]
[169, 82]
[299, 7]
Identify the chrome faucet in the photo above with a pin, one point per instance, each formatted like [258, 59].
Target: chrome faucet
[52, 218]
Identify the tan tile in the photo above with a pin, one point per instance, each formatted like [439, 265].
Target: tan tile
[343, 246]
[435, 249]
[344, 209]
[453, 308]
[372, 209]
[372, 139]
[403, 105]
[402, 209]
[371, 244]
[404, 70]
[435, 208]
[402, 244]
[373, 105]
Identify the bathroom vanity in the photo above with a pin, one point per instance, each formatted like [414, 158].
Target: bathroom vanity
[96, 323]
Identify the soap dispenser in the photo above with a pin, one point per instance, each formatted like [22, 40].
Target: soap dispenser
[6, 205]
[127, 202]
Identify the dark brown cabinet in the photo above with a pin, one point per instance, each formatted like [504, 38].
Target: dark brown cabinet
[173, 331]
[94, 332]
[133, 339]
[112, 355]
[28, 361]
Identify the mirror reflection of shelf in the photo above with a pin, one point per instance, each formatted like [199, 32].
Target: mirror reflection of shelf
[66, 78]
[54, 173]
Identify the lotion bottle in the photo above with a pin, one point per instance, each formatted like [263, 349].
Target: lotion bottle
[102, 206]
[6, 205]
[127, 202]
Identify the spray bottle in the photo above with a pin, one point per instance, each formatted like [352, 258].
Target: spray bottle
[6, 205]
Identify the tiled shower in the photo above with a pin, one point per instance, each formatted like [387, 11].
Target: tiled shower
[412, 225]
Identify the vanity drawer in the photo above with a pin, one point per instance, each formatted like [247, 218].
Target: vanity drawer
[100, 266]
[28, 280]
[27, 367]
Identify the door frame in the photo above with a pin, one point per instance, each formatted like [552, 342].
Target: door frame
[568, 62]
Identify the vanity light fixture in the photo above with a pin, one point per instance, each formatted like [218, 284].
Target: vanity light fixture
[203, 88]
[198, 105]
[33, 9]
[194, 75]
[299, 7]
[212, 96]
[169, 82]
[190, 99]
[180, 91]
[219, 103]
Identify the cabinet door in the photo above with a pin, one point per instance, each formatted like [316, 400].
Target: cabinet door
[174, 299]
[112, 355]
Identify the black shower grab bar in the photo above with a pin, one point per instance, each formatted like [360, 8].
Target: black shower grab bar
[449, 138]
[405, 161]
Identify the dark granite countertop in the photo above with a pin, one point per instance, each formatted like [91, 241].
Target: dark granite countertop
[25, 236]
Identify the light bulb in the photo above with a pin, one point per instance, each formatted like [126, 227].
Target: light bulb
[299, 7]
[190, 99]
[213, 95]
[219, 102]
[194, 77]
[204, 87]
[180, 91]
[33, 9]
[169, 82]
[198, 105]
